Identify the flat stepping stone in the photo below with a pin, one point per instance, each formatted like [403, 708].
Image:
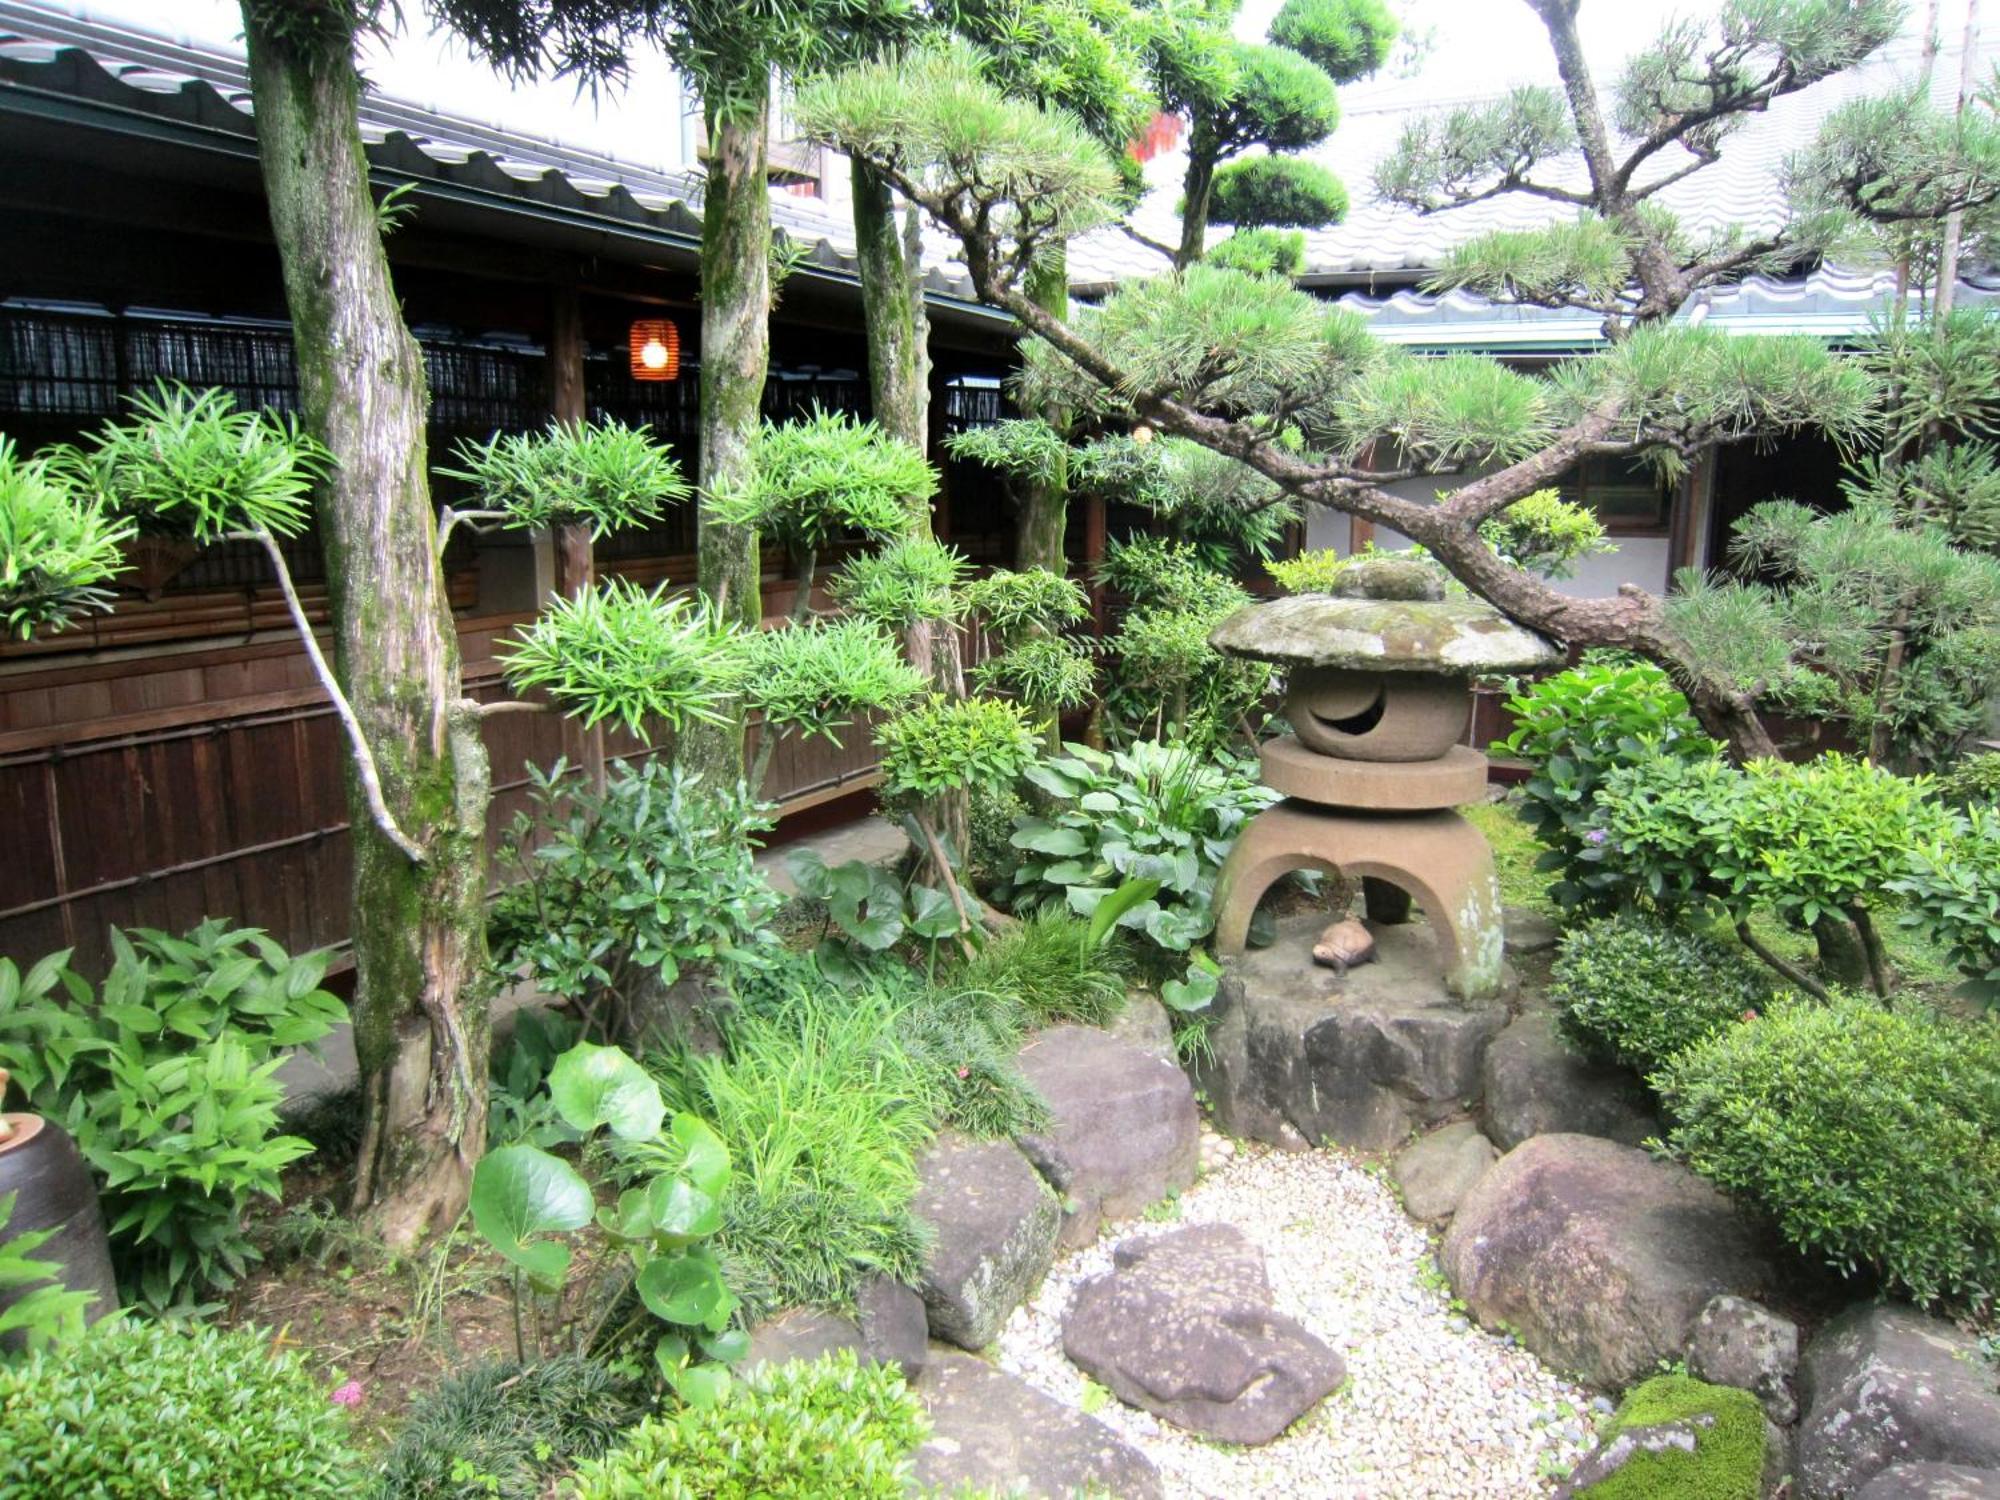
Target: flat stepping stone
[992, 1430]
[996, 1224]
[1183, 1326]
[1123, 1131]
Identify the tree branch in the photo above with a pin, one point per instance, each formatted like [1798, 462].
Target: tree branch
[478, 520]
[1147, 240]
[364, 757]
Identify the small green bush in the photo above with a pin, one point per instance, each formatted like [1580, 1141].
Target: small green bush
[794, 1432]
[1870, 1136]
[1042, 970]
[1638, 991]
[1972, 780]
[1573, 729]
[1952, 883]
[1728, 1458]
[504, 1430]
[144, 1410]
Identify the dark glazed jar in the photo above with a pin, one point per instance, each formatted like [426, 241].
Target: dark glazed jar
[41, 1166]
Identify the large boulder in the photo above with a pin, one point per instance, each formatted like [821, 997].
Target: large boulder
[1123, 1129]
[1143, 1022]
[991, 1431]
[888, 1327]
[1535, 1083]
[1598, 1256]
[1885, 1385]
[1299, 1055]
[1932, 1482]
[1744, 1344]
[1435, 1173]
[1183, 1326]
[996, 1225]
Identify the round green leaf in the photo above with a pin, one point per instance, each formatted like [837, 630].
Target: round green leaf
[520, 1191]
[594, 1086]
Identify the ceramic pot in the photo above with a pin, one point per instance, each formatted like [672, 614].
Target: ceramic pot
[41, 1166]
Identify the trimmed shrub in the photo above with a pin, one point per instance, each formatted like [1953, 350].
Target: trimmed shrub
[1726, 1463]
[1573, 729]
[1871, 1137]
[1635, 990]
[1278, 192]
[142, 1410]
[503, 1429]
[799, 1431]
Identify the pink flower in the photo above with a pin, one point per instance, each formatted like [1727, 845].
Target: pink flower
[965, 1072]
[348, 1395]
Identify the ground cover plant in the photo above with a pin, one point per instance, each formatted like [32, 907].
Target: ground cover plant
[132, 1409]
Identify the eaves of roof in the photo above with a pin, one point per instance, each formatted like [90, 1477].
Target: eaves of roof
[56, 67]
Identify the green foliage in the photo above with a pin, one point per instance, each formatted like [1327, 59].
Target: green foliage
[1349, 39]
[1898, 158]
[799, 1431]
[829, 475]
[1639, 991]
[1167, 677]
[1726, 1462]
[949, 744]
[1462, 153]
[622, 654]
[165, 1079]
[1149, 812]
[1952, 883]
[942, 122]
[963, 1042]
[912, 579]
[1215, 505]
[1543, 533]
[1047, 673]
[1280, 101]
[875, 910]
[522, 1195]
[1585, 262]
[1278, 191]
[1453, 411]
[1310, 572]
[601, 474]
[1868, 1135]
[1573, 729]
[1025, 447]
[57, 548]
[515, 1426]
[518, 1108]
[629, 886]
[824, 1113]
[190, 462]
[44, 1315]
[1013, 606]
[1973, 780]
[1260, 252]
[817, 676]
[1044, 968]
[133, 1411]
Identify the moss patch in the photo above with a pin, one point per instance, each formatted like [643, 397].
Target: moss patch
[1515, 850]
[1728, 1459]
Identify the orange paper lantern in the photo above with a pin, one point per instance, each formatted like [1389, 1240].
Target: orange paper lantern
[656, 350]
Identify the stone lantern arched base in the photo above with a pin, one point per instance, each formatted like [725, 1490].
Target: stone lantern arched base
[1439, 858]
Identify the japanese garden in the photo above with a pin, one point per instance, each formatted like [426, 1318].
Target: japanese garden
[1136, 748]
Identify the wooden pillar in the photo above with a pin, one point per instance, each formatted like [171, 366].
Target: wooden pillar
[575, 569]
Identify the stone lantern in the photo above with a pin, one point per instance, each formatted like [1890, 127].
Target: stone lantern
[1378, 696]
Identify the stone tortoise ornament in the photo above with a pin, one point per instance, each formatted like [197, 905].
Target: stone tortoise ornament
[1378, 695]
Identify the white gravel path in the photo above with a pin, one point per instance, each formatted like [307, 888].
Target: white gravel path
[1433, 1409]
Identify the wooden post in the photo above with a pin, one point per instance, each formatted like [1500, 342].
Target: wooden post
[575, 568]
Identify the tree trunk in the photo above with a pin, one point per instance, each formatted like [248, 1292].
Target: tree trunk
[1196, 190]
[735, 358]
[890, 260]
[1045, 503]
[420, 1021]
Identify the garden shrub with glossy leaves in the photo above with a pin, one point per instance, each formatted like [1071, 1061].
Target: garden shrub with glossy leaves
[504, 1430]
[949, 744]
[1639, 991]
[1573, 729]
[797, 1431]
[165, 1077]
[135, 1411]
[1952, 883]
[1870, 1136]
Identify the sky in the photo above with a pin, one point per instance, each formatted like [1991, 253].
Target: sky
[1476, 47]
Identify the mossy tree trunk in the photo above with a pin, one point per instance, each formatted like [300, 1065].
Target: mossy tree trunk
[420, 1017]
[1197, 188]
[735, 358]
[890, 259]
[1038, 541]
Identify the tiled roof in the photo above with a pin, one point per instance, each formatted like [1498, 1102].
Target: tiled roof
[49, 52]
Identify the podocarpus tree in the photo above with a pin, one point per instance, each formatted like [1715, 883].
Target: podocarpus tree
[1301, 392]
[1275, 98]
[729, 51]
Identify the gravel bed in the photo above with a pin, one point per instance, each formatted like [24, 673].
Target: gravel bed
[1433, 1406]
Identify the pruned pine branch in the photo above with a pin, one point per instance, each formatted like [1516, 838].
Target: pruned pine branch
[1480, 151]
